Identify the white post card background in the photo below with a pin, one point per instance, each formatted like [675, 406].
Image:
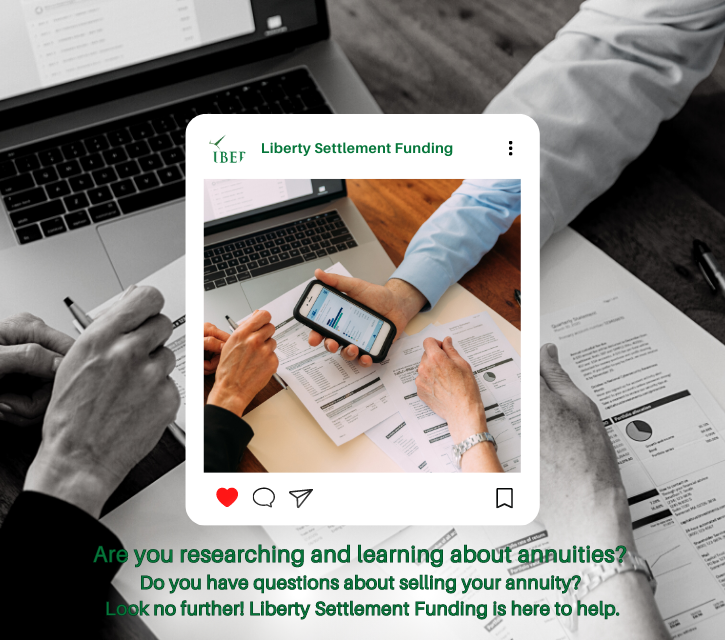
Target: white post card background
[480, 149]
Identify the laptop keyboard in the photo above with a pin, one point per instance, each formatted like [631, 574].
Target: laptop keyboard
[122, 167]
[260, 253]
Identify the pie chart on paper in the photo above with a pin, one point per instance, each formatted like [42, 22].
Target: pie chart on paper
[639, 430]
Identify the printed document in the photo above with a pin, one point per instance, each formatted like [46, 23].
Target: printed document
[497, 369]
[667, 431]
[348, 400]
[344, 398]
[397, 440]
[447, 537]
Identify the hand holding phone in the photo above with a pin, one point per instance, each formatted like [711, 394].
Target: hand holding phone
[397, 301]
[346, 321]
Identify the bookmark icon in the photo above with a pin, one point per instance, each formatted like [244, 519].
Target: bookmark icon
[301, 495]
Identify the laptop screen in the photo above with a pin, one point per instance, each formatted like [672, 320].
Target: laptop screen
[52, 42]
[231, 200]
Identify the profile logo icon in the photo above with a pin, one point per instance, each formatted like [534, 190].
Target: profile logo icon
[216, 144]
[226, 157]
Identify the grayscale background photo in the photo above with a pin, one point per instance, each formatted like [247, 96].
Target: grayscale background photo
[92, 172]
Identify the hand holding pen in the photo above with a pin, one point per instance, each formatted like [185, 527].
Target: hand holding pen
[247, 362]
[112, 399]
[234, 326]
[85, 321]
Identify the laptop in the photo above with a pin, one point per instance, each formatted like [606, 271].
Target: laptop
[264, 237]
[95, 96]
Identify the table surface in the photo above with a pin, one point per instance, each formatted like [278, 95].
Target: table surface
[436, 56]
[395, 209]
[430, 56]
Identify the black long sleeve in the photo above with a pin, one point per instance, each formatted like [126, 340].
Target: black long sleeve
[226, 436]
[48, 579]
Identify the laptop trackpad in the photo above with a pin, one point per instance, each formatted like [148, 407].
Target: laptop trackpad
[144, 243]
[260, 291]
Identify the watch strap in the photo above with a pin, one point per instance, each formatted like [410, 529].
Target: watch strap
[592, 575]
[463, 446]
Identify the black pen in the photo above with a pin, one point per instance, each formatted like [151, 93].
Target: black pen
[709, 266]
[78, 313]
[517, 295]
[81, 316]
[234, 326]
[85, 321]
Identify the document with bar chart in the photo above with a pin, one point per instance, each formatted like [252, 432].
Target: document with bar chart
[667, 432]
[496, 368]
[345, 398]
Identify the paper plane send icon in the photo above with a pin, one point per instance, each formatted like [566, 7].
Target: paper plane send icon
[301, 495]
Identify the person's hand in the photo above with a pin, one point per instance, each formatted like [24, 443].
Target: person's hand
[446, 384]
[247, 363]
[214, 340]
[583, 500]
[30, 354]
[398, 301]
[111, 401]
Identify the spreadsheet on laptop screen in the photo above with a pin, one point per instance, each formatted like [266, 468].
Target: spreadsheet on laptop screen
[52, 42]
[228, 199]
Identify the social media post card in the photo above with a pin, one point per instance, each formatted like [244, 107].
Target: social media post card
[366, 354]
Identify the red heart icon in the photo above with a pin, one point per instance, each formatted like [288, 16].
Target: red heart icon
[227, 496]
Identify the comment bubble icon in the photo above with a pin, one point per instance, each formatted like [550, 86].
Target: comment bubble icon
[264, 497]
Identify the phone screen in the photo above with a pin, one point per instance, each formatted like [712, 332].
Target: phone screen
[342, 317]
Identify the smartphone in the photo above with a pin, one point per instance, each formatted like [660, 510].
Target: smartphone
[336, 316]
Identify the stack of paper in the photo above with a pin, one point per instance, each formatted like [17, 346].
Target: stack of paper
[344, 398]
[497, 369]
[667, 432]
[348, 400]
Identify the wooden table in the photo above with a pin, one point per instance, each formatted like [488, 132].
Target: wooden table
[443, 56]
[435, 56]
[454, 56]
[395, 209]
[431, 56]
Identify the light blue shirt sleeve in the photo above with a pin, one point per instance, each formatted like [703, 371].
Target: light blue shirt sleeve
[455, 238]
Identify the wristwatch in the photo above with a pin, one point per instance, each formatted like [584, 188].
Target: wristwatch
[592, 575]
[465, 445]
